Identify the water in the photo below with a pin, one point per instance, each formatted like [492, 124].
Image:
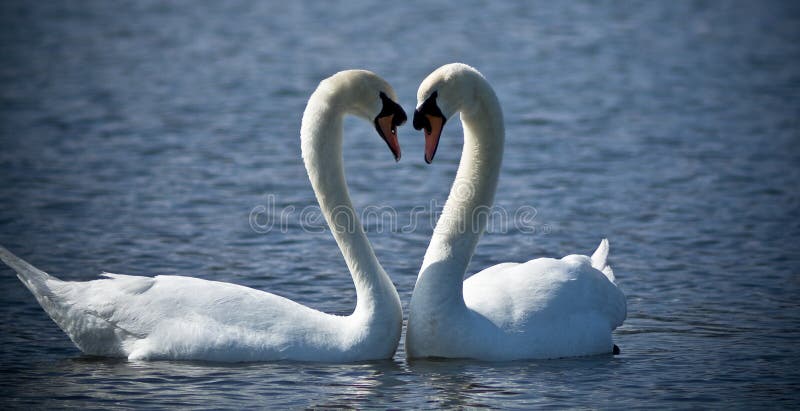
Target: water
[138, 136]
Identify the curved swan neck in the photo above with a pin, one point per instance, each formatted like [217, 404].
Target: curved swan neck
[466, 212]
[321, 143]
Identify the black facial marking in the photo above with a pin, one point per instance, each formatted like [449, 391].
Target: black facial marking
[428, 108]
[398, 115]
[389, 108]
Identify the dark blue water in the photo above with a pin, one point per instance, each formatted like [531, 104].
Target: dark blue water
[137, 137]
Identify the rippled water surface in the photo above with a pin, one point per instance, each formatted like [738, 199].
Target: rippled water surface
[137, 137]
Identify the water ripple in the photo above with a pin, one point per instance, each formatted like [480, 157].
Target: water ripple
[137, 136]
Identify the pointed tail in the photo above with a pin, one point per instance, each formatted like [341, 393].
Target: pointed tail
[600, 260]
[33, 278]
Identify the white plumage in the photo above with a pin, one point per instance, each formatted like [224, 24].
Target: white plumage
[183, 318]
[544, 308]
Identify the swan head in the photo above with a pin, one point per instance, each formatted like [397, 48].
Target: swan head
[448, 90]
[366, 95]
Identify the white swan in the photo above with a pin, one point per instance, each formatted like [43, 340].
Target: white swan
[183, 318]
[544, 308]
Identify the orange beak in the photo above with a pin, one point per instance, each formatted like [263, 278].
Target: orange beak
[388, 131]
[432, 136]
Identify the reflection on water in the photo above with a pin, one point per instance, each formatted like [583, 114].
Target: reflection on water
[137, 137]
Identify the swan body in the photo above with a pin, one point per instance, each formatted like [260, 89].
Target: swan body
[543, 308]
[184, 318]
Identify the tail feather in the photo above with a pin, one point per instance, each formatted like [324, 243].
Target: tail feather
[600, 260]
[91, 332]
[33, 278]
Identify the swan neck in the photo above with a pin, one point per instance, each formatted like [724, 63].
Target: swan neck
[321, 142]
[468, 207]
